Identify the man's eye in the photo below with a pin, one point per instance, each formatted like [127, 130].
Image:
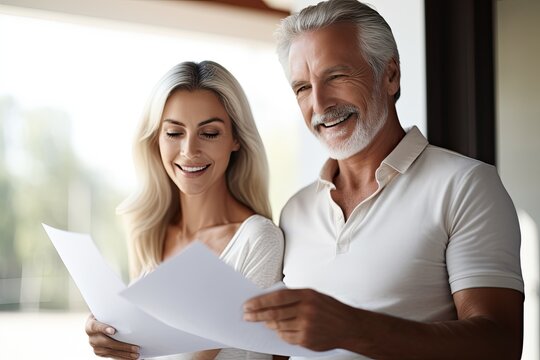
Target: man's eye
[300, 89]
[335, 76]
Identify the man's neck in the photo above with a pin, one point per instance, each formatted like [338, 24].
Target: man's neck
[355, 179]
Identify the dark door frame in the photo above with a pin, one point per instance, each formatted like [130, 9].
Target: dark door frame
[460, 76]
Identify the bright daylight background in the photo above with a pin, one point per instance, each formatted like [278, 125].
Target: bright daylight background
[70, 96]
[72, 90]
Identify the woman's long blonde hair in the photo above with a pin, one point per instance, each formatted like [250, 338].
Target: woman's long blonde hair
[155, 204]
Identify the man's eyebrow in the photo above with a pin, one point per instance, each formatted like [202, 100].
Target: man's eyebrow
[330, 70]
[202, 123]
[297, 83]
[337, 68]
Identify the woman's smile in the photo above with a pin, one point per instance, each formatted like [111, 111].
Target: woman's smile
[193, 170]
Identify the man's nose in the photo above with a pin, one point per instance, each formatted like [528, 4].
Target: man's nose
[321, 99]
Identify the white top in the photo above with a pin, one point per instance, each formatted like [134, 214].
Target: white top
[256, 250]
[438, 223]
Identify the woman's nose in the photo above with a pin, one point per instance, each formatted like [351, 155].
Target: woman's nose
[189, 147]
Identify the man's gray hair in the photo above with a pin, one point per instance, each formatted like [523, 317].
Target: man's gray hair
[377, 42]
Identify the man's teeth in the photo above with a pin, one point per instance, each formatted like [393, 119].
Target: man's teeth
[193, 168]
[337, 121]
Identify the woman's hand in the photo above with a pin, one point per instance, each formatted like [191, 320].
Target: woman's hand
[105, 346]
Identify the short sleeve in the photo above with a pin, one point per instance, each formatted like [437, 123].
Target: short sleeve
[484, 242]
[264, 263]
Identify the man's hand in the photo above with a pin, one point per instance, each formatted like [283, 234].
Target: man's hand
[105, 346]
[303, 317]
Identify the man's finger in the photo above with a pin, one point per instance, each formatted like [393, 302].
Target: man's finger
[274, 299]
[283, 325]
[272, 314]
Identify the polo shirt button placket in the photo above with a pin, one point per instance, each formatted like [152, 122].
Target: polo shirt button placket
[338, 219]
[339, 248]
[342, 244]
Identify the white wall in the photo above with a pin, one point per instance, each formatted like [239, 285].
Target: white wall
[518, 137]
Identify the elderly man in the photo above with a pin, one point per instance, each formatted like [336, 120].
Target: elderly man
[400, 250]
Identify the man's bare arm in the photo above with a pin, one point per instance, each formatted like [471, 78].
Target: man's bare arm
[489, 326]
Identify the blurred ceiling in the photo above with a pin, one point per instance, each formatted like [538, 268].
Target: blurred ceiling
[278, 7]
[246, 19]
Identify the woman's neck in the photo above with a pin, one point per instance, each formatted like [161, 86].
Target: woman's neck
[209, 209]
[212, 218]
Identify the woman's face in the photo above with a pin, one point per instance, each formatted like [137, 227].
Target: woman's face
[196, 140]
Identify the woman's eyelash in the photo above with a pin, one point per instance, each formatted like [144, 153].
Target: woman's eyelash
[205, 135]
[210, 135]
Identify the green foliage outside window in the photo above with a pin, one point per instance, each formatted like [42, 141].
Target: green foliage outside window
[43, 181]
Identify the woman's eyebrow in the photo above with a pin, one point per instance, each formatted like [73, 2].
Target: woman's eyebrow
[202, 123]
[175, 122]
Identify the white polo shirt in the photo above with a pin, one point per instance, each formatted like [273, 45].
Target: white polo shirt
[438, 223]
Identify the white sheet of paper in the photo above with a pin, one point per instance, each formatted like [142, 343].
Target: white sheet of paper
[100, 285]
[207, 299]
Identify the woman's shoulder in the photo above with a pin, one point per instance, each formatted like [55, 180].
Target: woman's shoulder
[260, 225]
[257, 237]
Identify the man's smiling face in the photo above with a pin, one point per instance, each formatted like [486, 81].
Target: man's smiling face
[340, 99]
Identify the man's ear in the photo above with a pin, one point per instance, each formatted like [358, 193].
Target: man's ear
[392, 77]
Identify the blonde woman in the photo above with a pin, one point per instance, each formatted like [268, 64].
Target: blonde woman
[203, 176]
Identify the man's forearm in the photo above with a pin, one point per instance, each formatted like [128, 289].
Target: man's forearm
[489, 326]
[385, 337]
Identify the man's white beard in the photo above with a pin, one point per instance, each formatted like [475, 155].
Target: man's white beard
[365, 130]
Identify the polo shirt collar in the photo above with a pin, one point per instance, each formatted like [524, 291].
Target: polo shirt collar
[407, 151]
[326, 175]
[400, 159]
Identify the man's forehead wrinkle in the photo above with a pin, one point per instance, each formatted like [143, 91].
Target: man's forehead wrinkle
[300, 72]
[306, 53]
[306, 69]
[316, 72]
[308, 58]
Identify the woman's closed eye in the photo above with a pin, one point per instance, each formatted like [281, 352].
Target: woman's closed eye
[210, 134]
[173, 134]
